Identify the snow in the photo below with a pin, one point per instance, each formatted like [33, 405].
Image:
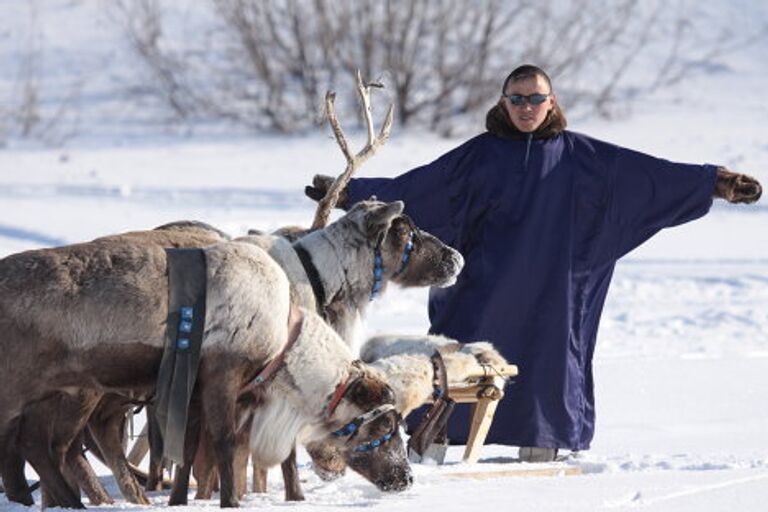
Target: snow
[682, 400]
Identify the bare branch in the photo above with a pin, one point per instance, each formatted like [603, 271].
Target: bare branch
[330, 111]
[331, 198]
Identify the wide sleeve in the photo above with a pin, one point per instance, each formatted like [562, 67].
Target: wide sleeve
[436, 196]
[649, 194]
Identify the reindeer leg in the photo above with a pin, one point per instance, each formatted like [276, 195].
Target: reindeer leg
[204, 467]
[12, 468]
[291, 478]
[67, 441]
[180, 489]
[55, 486]
[78, 466]
[219, 405]
[107, 429]
[46, 439]
[242, 451]
[259, 484]
[155, 472]
[224, 448]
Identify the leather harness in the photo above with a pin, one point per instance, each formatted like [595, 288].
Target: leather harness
[314, 278]
[433, 426]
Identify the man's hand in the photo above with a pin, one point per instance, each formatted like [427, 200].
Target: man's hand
[736, 188]
[320, 185]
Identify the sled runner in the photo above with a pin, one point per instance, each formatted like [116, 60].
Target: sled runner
[522, 472]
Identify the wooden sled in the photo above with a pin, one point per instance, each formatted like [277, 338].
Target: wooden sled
[483, 390]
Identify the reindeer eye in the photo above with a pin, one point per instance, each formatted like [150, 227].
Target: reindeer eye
[386, 425]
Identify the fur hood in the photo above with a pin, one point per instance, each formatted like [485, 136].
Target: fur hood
[497, 122]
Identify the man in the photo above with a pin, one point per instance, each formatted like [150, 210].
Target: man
[541, 215]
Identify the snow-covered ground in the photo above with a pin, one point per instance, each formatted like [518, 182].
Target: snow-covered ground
[682, 353]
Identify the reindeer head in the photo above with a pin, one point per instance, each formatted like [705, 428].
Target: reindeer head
[431, 262]
[418, 258]
[365, 433]
[376, 243]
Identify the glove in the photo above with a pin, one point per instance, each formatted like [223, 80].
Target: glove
[736, 188]
[320, 186]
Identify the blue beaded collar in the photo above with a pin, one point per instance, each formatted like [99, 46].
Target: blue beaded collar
[378, 264]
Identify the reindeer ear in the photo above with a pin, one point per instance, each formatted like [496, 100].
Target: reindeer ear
[378, 219]
[369, 391]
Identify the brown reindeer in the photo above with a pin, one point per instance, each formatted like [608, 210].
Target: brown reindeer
[92, 316]
[104, 424]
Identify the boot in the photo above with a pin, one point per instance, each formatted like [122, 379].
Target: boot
[537, 454]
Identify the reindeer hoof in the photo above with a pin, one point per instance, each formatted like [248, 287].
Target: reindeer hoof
[229, 503]
[295, 497]
[175, 501]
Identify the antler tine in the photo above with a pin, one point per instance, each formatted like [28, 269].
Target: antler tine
[326, 204]
[331, 198]
[365, 98]
[378, 141]
[330, 111]
[386, 128]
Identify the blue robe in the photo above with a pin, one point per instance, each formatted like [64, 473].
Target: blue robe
[541, 224]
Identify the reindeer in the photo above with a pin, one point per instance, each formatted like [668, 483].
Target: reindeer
[344, 281]
[407, 366]
[105, 423]
[40, 286]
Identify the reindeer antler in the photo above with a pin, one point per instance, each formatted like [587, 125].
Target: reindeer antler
[353, 161]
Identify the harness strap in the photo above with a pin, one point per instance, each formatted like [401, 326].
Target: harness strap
[374, 413]
[367, 417]
[177, 373]
[378, 271]
[338, 394]
[378, 262]
[314, 278]
[374, 443]
[439, 376]
[436, 418]
[405, 258]
[295, 320]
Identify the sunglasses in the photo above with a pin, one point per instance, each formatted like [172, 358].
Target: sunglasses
[533, 99]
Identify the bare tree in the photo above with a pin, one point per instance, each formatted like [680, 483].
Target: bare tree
[30, 111]
[265, 64]
[142, 24]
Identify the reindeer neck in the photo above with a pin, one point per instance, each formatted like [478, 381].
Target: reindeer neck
[347, 281]
[315, 366]
[301, 288]
[295, 404]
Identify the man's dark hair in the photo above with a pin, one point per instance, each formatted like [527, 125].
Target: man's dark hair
[525, 72]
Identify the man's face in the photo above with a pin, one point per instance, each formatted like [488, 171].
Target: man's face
[528, 117]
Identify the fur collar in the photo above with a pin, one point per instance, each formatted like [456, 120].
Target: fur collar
[497, 122]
